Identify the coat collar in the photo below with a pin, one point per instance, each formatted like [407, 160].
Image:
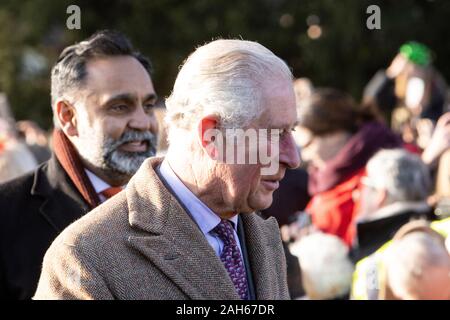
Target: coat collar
[376, 231]
[61, 202]
[397, 208]
[174, 243]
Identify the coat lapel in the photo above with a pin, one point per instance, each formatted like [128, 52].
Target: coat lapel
[172, 241]
[61, 204]
[262, 238]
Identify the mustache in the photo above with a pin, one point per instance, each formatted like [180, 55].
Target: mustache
[132, 135]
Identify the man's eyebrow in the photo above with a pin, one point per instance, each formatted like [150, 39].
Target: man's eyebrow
[121, 96]
[152, 97]
[131, 97]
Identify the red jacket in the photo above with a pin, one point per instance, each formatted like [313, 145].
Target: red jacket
[334, 211]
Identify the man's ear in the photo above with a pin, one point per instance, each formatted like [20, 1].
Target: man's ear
[208, 135]
[66, 115]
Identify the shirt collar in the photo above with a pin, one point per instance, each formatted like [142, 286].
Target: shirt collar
[205, 218]
[98, 184]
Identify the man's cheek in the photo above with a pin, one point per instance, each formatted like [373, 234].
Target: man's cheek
[112, 128]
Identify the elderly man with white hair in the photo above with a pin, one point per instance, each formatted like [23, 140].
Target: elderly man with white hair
[186, 226]
[394, 192]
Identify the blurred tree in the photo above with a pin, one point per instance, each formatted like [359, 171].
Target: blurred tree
[325, 40]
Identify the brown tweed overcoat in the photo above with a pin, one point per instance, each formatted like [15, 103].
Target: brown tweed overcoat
[141, 244]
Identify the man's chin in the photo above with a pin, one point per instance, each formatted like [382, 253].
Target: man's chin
[262, 203]
[126, 164]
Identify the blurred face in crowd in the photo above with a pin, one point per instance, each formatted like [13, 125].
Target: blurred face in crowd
[371, 198]
[114, 129]
[317, 150]
[244, 188]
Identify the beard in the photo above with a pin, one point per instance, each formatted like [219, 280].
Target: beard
[103, 152]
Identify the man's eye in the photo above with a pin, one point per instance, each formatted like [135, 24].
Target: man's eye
[119, 108]
[148, 107]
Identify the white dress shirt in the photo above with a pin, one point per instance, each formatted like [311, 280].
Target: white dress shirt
[205, 218]
[98, 184]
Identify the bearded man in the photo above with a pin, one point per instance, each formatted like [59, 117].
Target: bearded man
[102, 100]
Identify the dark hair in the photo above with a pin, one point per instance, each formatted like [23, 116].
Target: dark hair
[329, 110]
[70, 70]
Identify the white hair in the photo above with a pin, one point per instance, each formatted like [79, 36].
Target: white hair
[223, 78]
[402, 174]
[326, 268]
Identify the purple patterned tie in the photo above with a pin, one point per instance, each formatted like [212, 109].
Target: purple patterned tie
[231, 258]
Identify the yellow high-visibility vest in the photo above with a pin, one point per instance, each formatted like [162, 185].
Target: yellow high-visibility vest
[366, 277]
[442, 226]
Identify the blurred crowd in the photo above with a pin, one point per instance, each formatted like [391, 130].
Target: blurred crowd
[374, 213]
[367, 213]
[23, 144]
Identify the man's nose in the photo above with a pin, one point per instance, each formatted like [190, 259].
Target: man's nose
[142, 121]
[289, 154]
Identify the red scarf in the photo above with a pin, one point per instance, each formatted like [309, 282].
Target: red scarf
[68, 156]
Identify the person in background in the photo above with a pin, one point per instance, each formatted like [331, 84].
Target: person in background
[15, 158]
[326, 267]
[410, 93]
[102, 100]
[35, 138]
[437, 156]
[5, 109]
[337, 138]
[23, 133]
[394, 191]
[416, 265]
[370, 281]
